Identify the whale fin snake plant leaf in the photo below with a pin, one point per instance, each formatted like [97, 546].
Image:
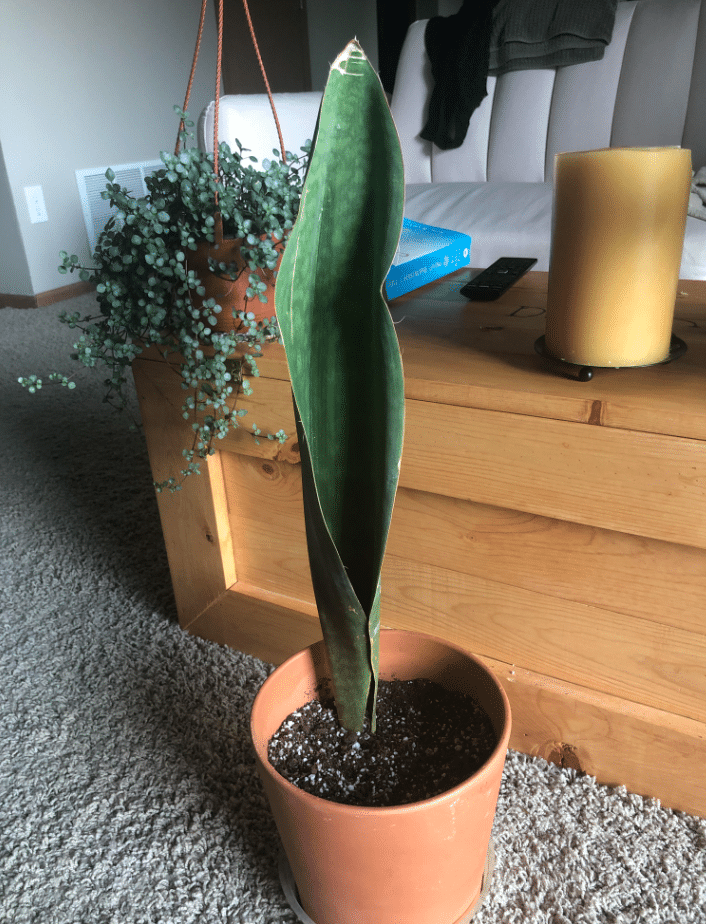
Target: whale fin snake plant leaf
[345, 367]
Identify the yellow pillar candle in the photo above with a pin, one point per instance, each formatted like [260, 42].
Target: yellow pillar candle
[618, 223]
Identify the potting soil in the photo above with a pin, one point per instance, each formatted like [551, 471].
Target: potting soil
[427, 740]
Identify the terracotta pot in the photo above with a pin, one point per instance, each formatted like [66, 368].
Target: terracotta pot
[229, 293]
[420, 863]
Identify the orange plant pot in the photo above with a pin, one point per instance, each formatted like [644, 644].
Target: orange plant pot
[230, 294]
[420, 863]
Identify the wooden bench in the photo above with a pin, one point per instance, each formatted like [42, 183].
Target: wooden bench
[555, 528]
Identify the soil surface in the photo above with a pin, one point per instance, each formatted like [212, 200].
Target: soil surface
[428, 740]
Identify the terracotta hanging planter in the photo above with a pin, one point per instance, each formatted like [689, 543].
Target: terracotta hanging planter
[231, 294]
[421, 863]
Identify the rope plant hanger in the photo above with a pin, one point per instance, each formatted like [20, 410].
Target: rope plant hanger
[217, 97]
[231, 288]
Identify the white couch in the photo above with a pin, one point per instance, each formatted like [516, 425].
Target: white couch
[648, 90]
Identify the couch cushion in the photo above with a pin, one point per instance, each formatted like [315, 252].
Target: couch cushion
[514, 220]
[503, 219]
[648, 89]
[693, 261]
[248, 117]
[591, 90]
[653, 93]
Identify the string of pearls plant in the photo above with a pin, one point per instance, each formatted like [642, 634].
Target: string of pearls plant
[145, 289]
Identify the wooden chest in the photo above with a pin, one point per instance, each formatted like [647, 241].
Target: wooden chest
[555, 528]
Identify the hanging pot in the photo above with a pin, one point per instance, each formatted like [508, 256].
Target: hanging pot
[421, 863]
[231, 294]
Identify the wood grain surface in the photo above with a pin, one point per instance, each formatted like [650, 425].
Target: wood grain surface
[555, 528]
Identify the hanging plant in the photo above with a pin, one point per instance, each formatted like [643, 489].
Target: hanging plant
[148, 296]
[208, 217]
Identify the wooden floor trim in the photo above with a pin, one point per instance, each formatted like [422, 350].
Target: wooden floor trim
[50, 297]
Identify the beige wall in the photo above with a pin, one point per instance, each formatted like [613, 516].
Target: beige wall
[92, 83]
[85, 83]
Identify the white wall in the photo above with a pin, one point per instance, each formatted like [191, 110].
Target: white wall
[85, 83]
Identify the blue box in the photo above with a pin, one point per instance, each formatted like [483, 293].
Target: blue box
[425, 253]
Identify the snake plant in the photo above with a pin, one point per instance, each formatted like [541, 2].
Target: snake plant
[345, 367]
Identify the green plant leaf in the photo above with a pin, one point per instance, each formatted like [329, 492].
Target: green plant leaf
[345, 366]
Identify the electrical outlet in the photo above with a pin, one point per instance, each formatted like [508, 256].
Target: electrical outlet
[35, 204]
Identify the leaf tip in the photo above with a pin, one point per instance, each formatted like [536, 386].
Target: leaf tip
[349, 61]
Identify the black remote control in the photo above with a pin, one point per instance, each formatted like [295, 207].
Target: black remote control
[490, 283]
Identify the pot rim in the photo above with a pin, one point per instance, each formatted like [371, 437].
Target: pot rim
[449, 795]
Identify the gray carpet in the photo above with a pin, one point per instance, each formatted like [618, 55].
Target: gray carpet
[127, 788]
